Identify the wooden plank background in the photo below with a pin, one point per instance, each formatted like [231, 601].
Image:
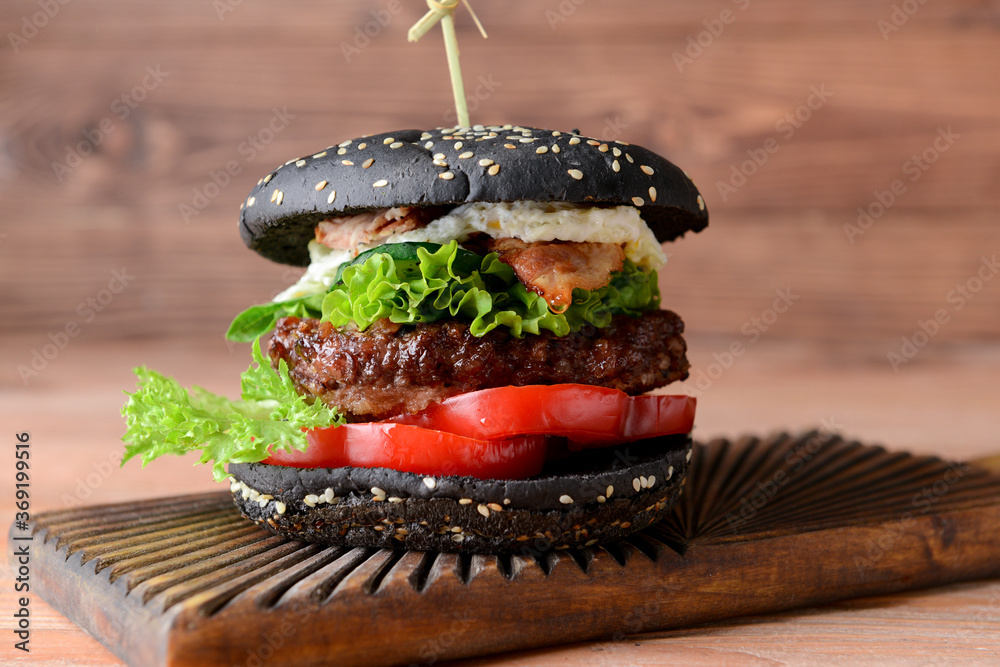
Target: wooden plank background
[224, 67]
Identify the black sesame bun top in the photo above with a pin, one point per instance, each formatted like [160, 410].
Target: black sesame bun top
[457, 166]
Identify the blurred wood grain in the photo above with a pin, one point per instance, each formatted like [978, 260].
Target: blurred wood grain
[163, 96]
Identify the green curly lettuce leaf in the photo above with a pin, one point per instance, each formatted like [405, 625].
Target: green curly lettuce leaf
[464, 261]
[441, 283]
[164, 418]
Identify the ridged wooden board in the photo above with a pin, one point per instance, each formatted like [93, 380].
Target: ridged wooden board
[763, 526]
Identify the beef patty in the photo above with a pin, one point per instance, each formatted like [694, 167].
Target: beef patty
[390, 369]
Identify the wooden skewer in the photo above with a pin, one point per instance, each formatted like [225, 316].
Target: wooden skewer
[443, 11]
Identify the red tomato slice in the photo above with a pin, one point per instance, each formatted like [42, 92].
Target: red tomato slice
[588, 416]
[417, 450]
[500, 433]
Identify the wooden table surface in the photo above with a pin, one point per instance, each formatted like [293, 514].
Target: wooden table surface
[115, 116]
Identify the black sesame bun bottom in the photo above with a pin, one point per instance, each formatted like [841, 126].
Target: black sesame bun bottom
[591, 497]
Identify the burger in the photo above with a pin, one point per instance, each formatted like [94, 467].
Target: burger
[465, 364]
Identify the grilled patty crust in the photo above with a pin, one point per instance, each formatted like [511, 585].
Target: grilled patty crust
[390, 369]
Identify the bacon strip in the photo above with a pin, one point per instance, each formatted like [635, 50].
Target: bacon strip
[553, 269]
[372, 227]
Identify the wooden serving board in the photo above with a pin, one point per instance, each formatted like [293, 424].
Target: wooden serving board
[763, 526]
